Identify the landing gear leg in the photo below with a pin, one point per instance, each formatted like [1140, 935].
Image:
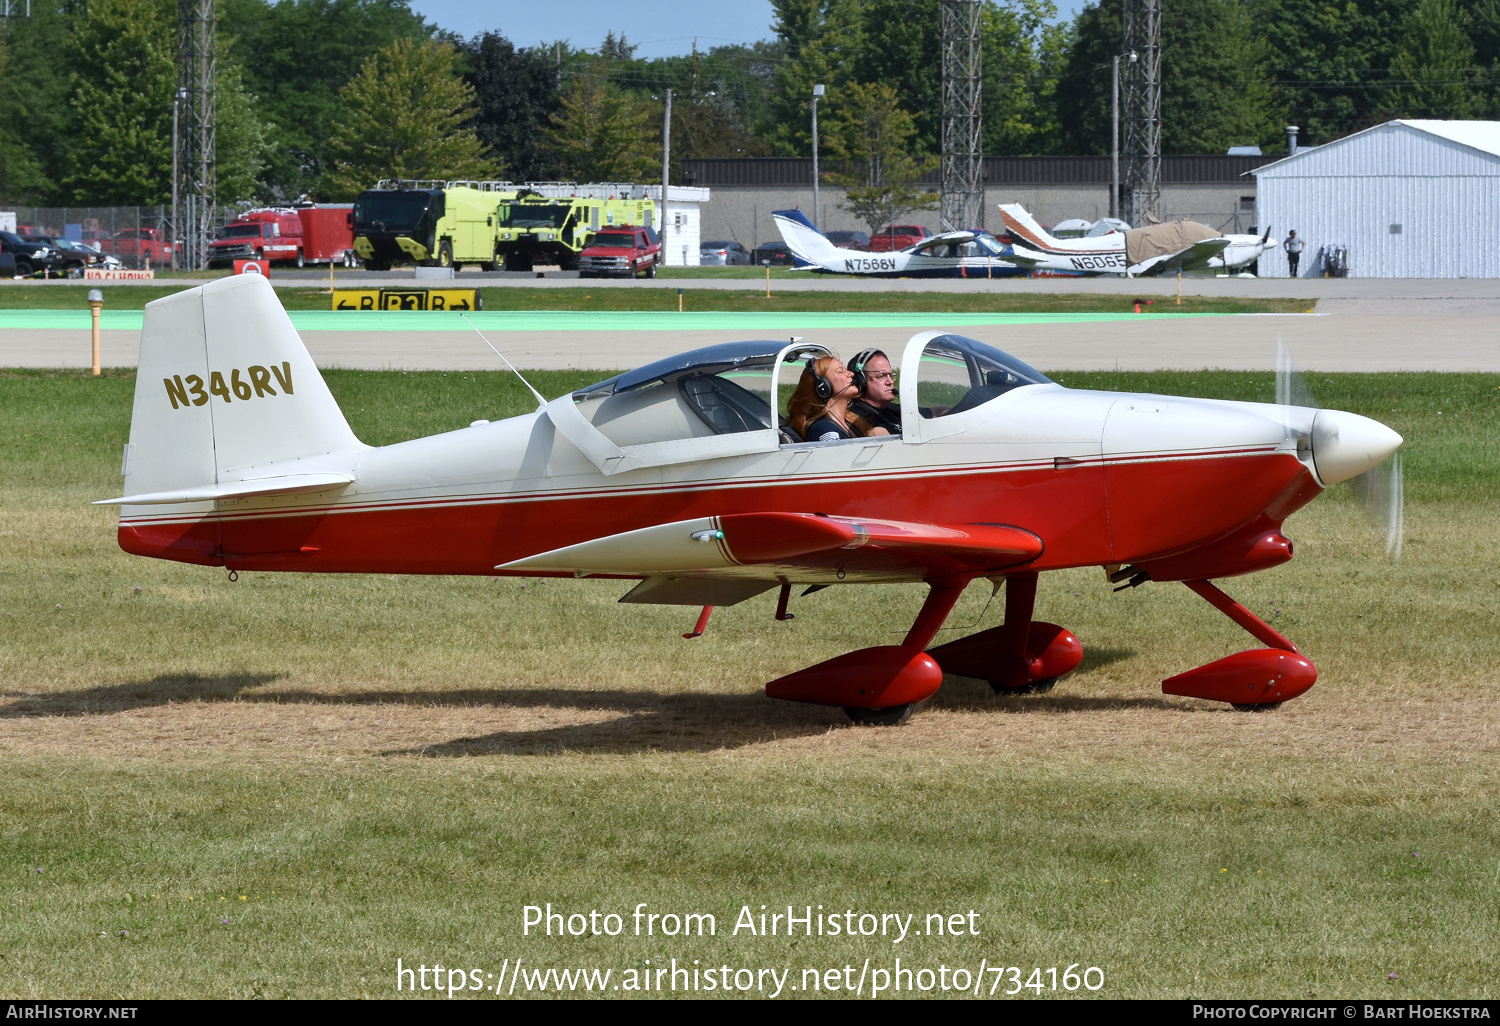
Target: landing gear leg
[1255, 681]
[878, 686]
[1020, 657]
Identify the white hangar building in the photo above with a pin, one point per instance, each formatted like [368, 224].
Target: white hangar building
[1406, 199]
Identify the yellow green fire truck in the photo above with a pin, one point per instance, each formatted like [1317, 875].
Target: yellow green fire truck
[549, 223]
[435, 224]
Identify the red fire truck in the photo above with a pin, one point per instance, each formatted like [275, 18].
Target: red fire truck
[314, 233]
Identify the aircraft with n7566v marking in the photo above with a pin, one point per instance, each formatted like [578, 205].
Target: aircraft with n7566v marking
[685, 478]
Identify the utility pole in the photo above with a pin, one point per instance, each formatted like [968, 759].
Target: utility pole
[175, 235]
[818, 92]
[666, 168]
[1142, 116]
[962, 202]
[1114, 137]
[197, 144]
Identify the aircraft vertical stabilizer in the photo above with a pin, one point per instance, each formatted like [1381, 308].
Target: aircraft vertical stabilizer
[807, 244]
[1023, 226]
[225, 386]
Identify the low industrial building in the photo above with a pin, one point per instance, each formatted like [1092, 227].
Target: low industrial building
[1216, 190]
[1406, 199]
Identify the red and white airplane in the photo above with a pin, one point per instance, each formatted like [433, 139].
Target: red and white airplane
[679, 476]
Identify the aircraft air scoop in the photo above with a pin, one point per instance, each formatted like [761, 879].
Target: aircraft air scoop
[1346, 445]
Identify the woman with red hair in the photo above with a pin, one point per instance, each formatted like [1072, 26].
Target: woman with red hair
[819, 408]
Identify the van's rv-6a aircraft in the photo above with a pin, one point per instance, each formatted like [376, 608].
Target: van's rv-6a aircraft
[679, 477]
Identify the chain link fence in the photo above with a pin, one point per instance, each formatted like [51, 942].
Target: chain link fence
[139, 237]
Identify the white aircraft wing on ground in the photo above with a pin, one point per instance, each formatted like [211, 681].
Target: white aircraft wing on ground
[967, 254]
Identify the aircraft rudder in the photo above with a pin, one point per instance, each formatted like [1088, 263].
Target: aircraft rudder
[224, 383]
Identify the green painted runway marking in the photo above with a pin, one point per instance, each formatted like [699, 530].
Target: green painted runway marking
[588, 320]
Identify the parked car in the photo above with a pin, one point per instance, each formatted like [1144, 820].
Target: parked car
[32, 257]
[624, 252]
[776, 254]
[897, 236]
[74, 256]
[723, 253]
[849, 240]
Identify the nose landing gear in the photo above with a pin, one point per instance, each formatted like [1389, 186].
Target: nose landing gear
[1258, 680]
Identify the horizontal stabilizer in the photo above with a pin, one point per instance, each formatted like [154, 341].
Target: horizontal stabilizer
[768, 546]
[289, 484]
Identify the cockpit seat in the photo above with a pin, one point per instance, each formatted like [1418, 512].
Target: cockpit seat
[723, 405]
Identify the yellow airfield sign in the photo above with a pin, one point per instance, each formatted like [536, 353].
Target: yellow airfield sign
[406, 299]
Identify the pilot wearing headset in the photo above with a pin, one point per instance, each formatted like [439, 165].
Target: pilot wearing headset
[875, 410]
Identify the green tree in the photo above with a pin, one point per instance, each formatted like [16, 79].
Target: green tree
[242, 139]
[406, 115]
[295, 56]
[516, 91]
[601, 133]
[122, 106]
[871, 137]
[1331, 60]
[1023, 52]
[814, 35]
[1432, 74]
[1217, 89]
[21, 175]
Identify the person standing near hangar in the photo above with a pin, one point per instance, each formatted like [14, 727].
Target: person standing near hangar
[1294, 247]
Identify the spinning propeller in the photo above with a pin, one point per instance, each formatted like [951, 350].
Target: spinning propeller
[1346, 443]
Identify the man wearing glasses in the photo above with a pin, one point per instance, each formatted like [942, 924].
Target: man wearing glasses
[876, 406]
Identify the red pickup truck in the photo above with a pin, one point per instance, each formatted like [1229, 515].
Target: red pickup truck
[896, 236]
[626, 251]
[314, 234]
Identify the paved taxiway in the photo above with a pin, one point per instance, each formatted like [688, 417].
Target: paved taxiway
[1360, 325]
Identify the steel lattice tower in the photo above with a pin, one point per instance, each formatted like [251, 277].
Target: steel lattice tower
[197, 122]
[1140, 113]
[962, 203]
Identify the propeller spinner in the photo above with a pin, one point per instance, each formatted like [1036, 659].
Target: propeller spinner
[1348, 447]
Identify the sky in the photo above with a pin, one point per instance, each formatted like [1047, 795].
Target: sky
[662, 28]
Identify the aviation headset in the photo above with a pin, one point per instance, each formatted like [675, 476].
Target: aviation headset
[822, 387]
[860, 361]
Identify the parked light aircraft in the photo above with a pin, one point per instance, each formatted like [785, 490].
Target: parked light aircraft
[967, 254]
[678, 476]
[1242, 251]
[1156, 249]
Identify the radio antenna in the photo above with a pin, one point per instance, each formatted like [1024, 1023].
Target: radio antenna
[540, 400]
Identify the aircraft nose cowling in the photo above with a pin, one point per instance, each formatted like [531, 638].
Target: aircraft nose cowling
[1346, 445]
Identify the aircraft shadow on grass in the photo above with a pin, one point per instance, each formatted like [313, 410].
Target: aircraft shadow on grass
[650, 721]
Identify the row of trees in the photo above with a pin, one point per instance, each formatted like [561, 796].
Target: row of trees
[322, 97]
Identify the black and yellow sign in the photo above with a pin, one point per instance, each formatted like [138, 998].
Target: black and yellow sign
[406, 299]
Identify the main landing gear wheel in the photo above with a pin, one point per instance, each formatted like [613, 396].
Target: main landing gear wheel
[891, 716]
[1036, 687]
[1262, 707]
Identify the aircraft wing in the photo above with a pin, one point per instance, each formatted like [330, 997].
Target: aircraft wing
[945, 239]
[801, 547]
[1193, 257]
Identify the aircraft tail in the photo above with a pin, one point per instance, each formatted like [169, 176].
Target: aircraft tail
[1023, 226]
[229, 403]
[808, 245]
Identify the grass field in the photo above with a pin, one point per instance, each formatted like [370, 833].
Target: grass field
[280, 786]
[134, 297]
